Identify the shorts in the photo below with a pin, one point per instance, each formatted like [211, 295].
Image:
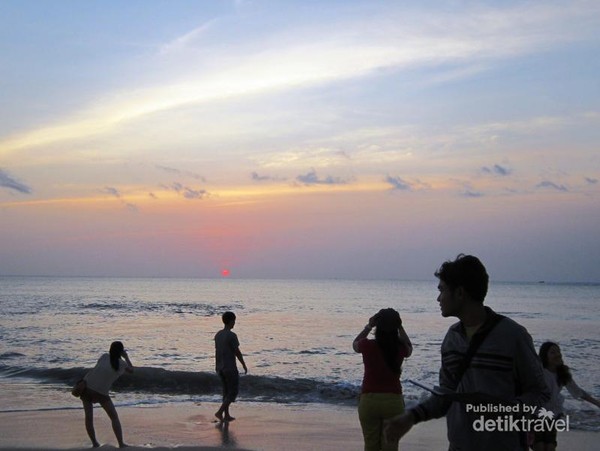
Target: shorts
[231, 385]
[94, 397]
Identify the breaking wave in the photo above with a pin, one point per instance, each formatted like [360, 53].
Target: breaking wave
[169, 382]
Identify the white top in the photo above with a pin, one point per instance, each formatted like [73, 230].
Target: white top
[556, 400]
[103, 375]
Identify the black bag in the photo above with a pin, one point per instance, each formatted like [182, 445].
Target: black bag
[79, 388]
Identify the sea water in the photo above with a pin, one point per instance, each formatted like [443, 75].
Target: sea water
[296, 336]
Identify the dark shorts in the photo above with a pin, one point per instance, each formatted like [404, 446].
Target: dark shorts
[231, 385]
[93, 396]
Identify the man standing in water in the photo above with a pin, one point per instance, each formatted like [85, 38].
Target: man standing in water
[227, 348]
[487, 360]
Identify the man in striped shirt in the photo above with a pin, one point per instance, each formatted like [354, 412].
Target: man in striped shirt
[503, 375]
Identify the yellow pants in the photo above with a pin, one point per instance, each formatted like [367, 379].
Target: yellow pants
[373, 408]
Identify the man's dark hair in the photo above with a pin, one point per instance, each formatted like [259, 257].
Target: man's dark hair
[468, 272]
[227, 317]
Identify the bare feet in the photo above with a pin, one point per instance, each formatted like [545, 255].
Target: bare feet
[229, 418]
[123, 445]
[95, 445]
[219, 416]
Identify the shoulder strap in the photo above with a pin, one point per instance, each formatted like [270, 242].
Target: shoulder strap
[476, 341]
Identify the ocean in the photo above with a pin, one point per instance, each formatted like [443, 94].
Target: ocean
[296, 336]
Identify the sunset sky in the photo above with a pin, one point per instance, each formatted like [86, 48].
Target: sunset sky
[301, 139]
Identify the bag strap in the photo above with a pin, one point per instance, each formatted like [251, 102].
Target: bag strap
[474, 344]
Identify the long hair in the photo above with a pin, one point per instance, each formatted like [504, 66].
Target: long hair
[563, 374]
[386, 336]
[116, 350]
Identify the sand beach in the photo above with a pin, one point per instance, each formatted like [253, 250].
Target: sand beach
[258, 426]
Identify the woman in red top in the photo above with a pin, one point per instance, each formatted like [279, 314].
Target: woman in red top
[381, 394]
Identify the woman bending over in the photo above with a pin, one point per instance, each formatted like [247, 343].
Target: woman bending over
[98, 382]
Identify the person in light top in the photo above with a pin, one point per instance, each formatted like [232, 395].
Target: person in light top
[108, 369]
[557, 376]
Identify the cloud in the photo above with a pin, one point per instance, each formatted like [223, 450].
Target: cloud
[398, 184]
[472, 193]
[591, 181]
[112, 191]
[260, 178]
[186, 191]
[311, 178]
[266, 178]
[180, 172]
[552, 185]
[497, 169]
[117, 194]
[183, 42]
[469, 191]
[189, 193]
[287, 59]
[6, 181]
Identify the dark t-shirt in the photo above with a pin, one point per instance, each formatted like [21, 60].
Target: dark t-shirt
[378, 377]
[226, 343]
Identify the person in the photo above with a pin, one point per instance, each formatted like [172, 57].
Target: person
[557, 376]
[504, 367]
[98, 380]
[381, 392]
[227, 349]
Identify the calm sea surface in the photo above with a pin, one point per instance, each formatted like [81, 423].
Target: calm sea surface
[296, 336]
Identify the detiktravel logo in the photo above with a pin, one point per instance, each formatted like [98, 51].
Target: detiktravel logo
[516, 418]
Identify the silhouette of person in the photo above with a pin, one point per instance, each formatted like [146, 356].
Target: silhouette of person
[381, 392]
[108, 369]
[557, 376]
[227, 349]
[504, 366]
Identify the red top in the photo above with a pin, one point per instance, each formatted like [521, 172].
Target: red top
[379, 378]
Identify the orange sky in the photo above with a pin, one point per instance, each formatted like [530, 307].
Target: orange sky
[365, 141]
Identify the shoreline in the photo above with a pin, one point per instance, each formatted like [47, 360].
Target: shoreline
[190, 426]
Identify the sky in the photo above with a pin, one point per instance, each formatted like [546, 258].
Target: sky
[299, 139]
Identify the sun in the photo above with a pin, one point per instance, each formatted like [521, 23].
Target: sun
[225, 272]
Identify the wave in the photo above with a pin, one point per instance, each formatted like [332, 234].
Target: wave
[200, 309]
[170, 382]
[11, 355]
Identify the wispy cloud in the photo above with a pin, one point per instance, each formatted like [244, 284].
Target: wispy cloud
[591, 181]
[183, 42]
[186, 191]
[471, 193]
[112, 191]
[497, 169]
[331, 53]
[266, 178]
[7, 181]
[180, 172]
[552, 185]
[398, 183]
[311, 178]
